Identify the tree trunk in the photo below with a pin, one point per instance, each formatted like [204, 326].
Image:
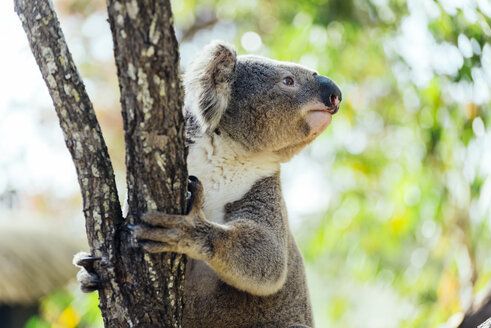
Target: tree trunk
[147, 60]
[141, 289]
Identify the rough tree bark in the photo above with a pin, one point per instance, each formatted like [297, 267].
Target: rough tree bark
[141, 290]
[479, 313]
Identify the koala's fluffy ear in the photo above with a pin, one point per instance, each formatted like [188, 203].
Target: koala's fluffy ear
[208, 82]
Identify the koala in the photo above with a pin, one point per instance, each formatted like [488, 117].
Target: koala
[244, 116]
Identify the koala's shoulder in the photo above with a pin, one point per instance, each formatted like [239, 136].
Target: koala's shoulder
[263, 202]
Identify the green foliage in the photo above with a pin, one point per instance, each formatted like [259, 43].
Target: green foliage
[67, 309]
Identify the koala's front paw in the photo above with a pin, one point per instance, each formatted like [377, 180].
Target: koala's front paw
[87, 276]
[184, 234]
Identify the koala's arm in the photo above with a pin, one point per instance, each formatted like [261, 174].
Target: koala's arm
[248, 252]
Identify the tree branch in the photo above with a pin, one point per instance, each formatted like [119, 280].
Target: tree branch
[82, 134]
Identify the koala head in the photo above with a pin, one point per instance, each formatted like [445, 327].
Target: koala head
[263, 105]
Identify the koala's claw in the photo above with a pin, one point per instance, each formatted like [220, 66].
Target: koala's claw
[89, 282]
[87, 276]
[193, 184]
[87, 262]
[195, 192]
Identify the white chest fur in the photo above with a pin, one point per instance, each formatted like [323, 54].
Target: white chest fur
[226, 174]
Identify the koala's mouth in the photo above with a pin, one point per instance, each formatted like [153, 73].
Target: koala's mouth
[318, 120]
[323, 108]
[330, 110]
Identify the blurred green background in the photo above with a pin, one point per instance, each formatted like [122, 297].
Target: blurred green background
[391, 205]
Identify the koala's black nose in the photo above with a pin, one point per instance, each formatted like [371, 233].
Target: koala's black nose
[330, 94]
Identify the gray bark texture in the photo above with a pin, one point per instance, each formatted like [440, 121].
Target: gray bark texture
[140, 289]
[479, 314]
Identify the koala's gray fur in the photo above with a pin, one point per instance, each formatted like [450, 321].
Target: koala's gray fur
[244, 118]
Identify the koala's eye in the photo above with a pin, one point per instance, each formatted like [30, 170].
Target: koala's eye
[288, 81]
